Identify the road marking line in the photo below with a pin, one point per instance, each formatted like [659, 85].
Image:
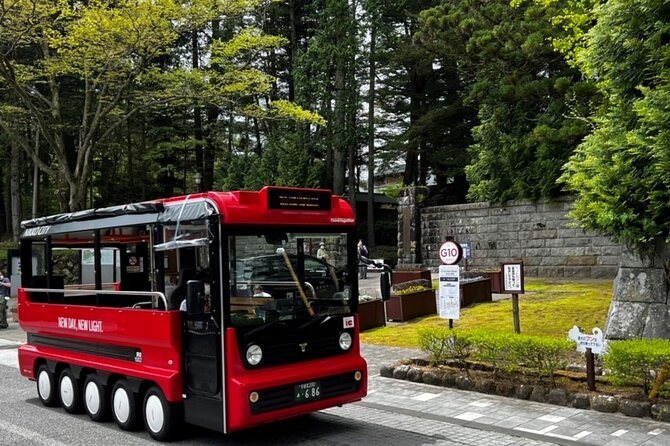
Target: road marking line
[582, 434]
[31, 436]
[482, 403]
[547, 431]
[551, 418]
[425, 396]
[469, 416]
[657, 432]
[618, 433]
[9, 358]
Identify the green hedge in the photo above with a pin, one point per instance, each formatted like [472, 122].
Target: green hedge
[637, 361]
[503, 351]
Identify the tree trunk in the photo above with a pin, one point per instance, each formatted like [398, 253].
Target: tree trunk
[371, 139]
[15, 191]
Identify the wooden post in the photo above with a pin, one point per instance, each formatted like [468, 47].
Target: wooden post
[590, 370]
[451, 324]
[515, 313]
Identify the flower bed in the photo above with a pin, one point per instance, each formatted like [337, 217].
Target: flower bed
[410, 300]
[533, 368]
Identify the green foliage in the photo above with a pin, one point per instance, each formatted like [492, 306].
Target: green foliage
[528, 98]
[636, 361]
[444, 344]
[620, 171]
[503, 351]
[411, 286]
[543, 354]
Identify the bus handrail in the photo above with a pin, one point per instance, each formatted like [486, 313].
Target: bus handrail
[280, 283]
[67, 291]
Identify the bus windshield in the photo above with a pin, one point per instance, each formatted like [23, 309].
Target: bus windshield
[287, 276]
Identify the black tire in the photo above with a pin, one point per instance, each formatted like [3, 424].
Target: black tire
[125, 410]
[161, 418]
[69, 392]
[47, 390]
[95, 399]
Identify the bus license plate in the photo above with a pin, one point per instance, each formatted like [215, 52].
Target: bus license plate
[307, 391]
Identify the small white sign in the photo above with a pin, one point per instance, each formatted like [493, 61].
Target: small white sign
[593, 341]
[512, 277]
[450, 295]
[348, 322]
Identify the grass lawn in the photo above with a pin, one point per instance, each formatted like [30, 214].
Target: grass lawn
[549, 307]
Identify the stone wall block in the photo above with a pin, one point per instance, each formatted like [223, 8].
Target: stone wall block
[657, 324]
[640, 285]
[581, 260]
[625, 320]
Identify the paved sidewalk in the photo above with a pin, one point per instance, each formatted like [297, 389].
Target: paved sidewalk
[457, 409]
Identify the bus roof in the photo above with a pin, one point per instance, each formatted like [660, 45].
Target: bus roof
[271, 205]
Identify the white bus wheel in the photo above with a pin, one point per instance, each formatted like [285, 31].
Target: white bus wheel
[124, 406]
[160, 416]
[46, 386]
[95, 399]
[69, 391]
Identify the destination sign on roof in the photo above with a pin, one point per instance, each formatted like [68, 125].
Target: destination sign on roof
[308, 200]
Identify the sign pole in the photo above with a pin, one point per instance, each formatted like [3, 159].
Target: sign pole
[590, 370]
[515, 313]
[451, 324]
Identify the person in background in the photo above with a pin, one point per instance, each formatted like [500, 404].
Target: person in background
[321, 253]
[259, 292]
[362, 263]
[5, 287]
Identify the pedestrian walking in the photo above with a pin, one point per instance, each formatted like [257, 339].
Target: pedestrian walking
[5, 286]
[363, 255]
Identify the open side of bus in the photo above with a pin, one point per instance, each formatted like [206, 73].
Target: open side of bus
[209, 308]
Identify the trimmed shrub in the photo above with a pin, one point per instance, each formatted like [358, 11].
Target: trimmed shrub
[543, 354]
[443, 344]
[637, 362]
[503, 351]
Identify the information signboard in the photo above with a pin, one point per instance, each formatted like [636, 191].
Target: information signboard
[450, 296]
[512, 273]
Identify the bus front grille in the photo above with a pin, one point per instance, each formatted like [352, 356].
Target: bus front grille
[284, 396]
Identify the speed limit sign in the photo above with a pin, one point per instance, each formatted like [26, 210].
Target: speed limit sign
[451, 252]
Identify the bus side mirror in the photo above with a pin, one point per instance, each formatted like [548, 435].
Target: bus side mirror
[195, 292]
[385, 285]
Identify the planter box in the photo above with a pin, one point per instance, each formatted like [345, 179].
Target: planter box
[476, 291]
[496, 280]
[371, 314]
[405, 276]
[408, 306]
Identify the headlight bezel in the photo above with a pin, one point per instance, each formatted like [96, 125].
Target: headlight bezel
[254, 354]
[345, 341]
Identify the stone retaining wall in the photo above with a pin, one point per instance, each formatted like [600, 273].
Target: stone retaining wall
[538, 233]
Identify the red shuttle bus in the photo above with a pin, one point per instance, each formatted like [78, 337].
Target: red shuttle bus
[210, 308]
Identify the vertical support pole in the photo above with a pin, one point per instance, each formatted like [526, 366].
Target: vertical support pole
[590, 370]
[97, 262]
[451, 324]
[515, 313]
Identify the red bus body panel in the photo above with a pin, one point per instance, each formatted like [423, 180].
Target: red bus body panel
[241, 381]
[157, 334]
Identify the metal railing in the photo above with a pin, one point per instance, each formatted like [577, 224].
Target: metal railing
[154, 295]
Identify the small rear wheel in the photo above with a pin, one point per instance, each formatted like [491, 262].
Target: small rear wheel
[95, 399]
[160, 416]
[124, 406]
[46, 386]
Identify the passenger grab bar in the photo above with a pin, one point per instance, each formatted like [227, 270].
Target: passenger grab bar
[67, 291]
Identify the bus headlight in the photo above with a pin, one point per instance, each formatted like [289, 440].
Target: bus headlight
[254, 354]
[345, 340]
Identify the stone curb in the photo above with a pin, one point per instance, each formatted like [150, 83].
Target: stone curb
[659, 411]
